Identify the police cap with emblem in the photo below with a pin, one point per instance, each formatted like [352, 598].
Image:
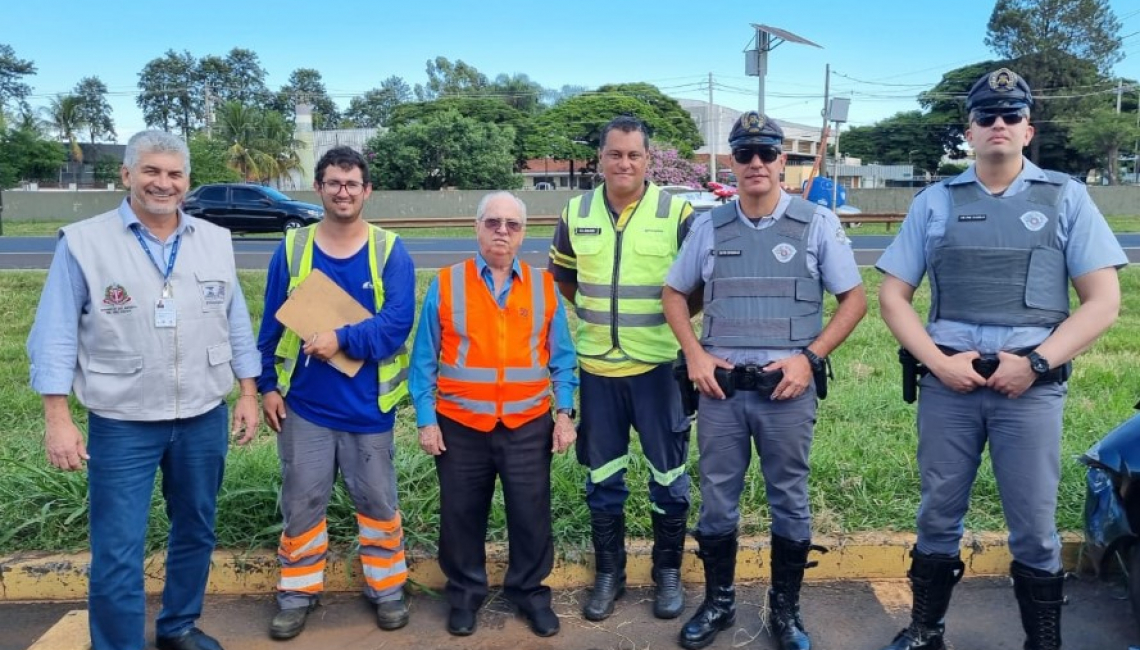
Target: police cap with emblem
[755, 129]
[1000, 91]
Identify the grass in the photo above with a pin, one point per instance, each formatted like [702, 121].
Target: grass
[864, 475]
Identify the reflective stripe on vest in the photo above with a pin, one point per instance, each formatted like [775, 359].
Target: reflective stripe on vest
[1000, 260]
[761, 293]
[620, 276]
[392, 371]
[494, 361]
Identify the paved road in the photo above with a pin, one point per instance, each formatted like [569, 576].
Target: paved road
[840, 616]
[434, 252]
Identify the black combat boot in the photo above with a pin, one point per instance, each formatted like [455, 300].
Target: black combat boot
[1040, 595]
[718, 611]
[668, 549]
[609, 565]
[932, 580]
[789, 559]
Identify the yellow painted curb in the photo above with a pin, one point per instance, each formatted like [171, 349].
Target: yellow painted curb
[69, 633]
[866, 556]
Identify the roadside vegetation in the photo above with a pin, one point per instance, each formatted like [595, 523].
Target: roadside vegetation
[864, 475]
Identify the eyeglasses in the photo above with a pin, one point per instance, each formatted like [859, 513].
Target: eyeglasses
[987, 120]
[334, 187]
[744, 155]
[494, 223]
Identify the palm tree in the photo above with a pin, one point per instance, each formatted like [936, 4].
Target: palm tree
[64, 114]
[259, 143]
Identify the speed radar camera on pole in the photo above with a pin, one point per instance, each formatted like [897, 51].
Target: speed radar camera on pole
[756, 60]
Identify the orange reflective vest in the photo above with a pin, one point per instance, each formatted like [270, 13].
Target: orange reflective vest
[494, 361]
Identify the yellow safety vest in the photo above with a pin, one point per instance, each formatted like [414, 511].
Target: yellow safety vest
[620, 276]
[299, 258]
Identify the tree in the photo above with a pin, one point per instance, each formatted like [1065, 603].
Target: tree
[907, 138]
[375, 107]
[550, 96]
[1102, 134]
[442, 151]
[12, 69]
[64, 115]
[518, 92]
[1062, 48]
[94, 110]
[245, 79]
[167, 92]
[259, 143]
[666, 167]
[306, 86]
[675, 124]
[485, 110]
[447, 78]
[25, 155]
[208, 162]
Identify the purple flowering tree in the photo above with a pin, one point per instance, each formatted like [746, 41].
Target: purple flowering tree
[666, 167]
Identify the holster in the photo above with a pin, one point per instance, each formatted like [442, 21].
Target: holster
[689, 395]
[912, 371]
[821, 375]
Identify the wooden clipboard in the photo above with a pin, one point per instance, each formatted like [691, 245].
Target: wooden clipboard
[318, 305]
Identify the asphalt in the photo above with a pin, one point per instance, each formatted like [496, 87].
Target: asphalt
[847, 615]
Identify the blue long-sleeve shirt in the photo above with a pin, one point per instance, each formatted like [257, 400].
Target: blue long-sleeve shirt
[318, 392]
[424, 371]
[53, 344]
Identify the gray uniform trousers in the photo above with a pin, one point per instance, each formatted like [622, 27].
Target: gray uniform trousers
[1024, 436]
[782, 432]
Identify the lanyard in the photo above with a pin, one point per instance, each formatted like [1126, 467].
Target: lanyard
[169, 264]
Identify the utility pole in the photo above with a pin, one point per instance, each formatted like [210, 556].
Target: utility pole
[1119, 93]
[209, 112]
[713, 124]
[756, 61]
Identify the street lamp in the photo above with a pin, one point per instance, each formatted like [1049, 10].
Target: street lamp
[756, 61]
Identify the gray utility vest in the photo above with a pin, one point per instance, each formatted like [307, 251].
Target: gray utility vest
[761, 294]
[1000, 261]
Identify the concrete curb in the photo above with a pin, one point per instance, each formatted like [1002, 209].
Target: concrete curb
[866, 556]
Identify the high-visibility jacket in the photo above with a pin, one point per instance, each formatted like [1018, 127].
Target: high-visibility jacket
[393, 371]
[620, 276]
[494, 361]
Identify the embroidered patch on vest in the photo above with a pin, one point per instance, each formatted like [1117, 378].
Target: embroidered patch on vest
[213, 293]
[784, 252]
[587, 231]
[729, 253]
[971, 217]
[116, 300]
[841, 236]
[1034, 220]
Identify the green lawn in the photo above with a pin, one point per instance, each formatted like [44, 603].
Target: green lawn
[864, 475]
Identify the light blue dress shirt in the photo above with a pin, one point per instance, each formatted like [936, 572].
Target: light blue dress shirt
[53, 344]
[1085, 237]
[424, 371]
[829, 258]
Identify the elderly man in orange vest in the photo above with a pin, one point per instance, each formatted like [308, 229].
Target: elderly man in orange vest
[492, 345]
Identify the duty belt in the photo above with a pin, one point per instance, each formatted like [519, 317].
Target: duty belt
[748, 377]
[987, 365]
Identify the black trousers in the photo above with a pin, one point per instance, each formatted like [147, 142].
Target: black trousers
[520, 458]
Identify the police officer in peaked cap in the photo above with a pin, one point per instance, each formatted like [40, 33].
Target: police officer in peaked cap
[762, 263]
[995, 357]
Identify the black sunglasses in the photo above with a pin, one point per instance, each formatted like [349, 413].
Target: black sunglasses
[744, 155]
[986, 121]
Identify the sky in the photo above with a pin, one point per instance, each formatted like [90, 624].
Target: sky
[882, 54]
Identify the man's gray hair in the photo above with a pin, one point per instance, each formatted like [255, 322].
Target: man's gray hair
[155, 141]
[482, 209]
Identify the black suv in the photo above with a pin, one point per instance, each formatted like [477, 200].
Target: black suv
[250, 208]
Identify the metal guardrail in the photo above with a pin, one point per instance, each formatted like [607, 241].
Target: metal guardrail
[550, 220]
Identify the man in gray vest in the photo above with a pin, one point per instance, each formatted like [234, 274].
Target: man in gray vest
[143, 317]
[763, 263]
[1000, 244]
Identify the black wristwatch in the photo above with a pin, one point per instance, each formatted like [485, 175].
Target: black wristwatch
[814, 359]
[1038, 363]
[570, 412]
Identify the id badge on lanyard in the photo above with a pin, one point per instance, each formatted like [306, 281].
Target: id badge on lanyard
[165, 312]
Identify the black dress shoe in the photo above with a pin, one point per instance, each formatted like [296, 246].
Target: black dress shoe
[461, 622]
[543, 621]
[191, 639]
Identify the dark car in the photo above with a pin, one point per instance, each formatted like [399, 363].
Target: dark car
[250, 208]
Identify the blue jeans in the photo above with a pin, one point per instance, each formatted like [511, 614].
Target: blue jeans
[124, 458]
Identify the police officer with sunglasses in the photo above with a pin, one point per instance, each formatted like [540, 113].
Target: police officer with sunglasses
[1000, 243]
[763, 263]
